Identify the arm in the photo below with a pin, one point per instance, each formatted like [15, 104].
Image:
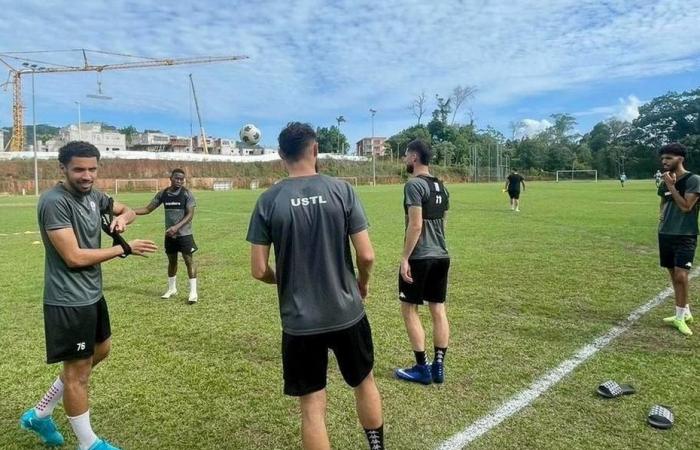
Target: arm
[260, 265]
[413, 231]
[189, 213]
[123, 216]
[685, 203]
[364, 258]
[145, 210]
[522, 181]
[65, 243]
[661, 210]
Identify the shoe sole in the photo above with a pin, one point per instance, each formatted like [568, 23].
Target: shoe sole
[46, 444]
[410, 380]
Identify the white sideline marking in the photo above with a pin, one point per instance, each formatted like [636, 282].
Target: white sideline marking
[554, 376]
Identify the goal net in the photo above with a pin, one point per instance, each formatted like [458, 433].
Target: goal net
[136, 185]
[577, 175]
[351, 180]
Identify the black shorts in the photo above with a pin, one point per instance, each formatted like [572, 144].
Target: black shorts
[514, 194]
[305, 358]
[677, 251]
[429, 281]
[180, 244]
[72, 331]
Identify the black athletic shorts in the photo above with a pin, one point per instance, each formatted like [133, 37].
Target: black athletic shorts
[305, 358]
[429, 281]
[514, 194]
[72, 331]
[677, 251]
[180, 244]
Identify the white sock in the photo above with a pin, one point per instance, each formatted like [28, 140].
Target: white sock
[49, 401]
[193, 286]
[172, 283]
[680, 312]
[687, 309]
[83, 430]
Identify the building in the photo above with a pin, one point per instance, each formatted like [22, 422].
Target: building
[104, 140]
[150, 141]
[2, 140]
[198, 147]
[180, 144]
[224, 146]
[365, 146]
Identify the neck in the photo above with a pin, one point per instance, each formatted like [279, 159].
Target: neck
[421, 170]
[301, 169]
[69, 187]
[680, 170]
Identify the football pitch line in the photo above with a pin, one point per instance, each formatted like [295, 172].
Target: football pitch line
[541, 385]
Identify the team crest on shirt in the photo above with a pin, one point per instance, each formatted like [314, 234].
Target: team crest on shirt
[93, 205]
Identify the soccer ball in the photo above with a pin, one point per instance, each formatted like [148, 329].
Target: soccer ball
[250, 134]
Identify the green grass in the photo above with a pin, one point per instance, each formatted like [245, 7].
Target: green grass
[526, 291]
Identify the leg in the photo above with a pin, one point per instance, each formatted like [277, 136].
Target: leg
[76, 376]
[313, 421]
[441, 327]
[680, 286]
[369, 404]
[414, 328]
[517, 203]
[191, 267]
[172, 264]
[102, 350]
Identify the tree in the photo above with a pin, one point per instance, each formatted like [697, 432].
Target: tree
[459, 96]
[129, 132]
[418, 107]
[443, 110]
[328, 139]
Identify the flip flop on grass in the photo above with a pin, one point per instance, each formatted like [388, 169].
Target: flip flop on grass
[611, 389]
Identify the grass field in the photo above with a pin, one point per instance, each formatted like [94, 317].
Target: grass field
[526, 291]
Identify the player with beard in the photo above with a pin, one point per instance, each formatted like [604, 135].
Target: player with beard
[424, 264]
[76, 319]
[678, 228]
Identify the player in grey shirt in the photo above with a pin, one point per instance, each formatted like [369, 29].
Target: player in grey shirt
[311, 219]
[425, 264]
[179, 205]
[76, 319]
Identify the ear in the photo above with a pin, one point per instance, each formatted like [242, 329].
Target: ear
[315, 149]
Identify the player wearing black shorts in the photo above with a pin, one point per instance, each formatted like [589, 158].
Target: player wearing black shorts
[76, 319]
[425, 264]
[179, 205]
[678, 228]
[311, 219]
[513, 182]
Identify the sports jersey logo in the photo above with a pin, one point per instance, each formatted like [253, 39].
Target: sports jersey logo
[93, 205]
[172, 203]
[306, 201]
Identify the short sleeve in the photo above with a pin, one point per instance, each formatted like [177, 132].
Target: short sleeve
[55, 215]
[693, 185]
[413, 194]
[259, 227]
[357, 219]
[157, 200]
[102, 200]
[191, 203]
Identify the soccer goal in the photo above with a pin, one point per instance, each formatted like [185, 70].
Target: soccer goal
[351, 180]
[136, 185]
[577, 175]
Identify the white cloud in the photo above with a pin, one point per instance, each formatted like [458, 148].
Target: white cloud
[629, 108]
[531, 127]
[312, 60]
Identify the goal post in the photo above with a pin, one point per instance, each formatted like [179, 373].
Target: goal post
[136, 185]
[351, 180]
[577, 175]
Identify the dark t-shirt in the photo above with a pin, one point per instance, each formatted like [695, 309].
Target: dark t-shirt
[673, 220]
[59, 208]
[514, 180]
[309, 221]
[176, 204]
[431, 243]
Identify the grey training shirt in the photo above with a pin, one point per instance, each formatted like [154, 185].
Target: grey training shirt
[431, 243]
[59, 208]
[309, 221]
[176, 204]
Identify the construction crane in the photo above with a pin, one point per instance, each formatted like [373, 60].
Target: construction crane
[34, 66]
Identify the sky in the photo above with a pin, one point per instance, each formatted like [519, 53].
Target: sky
[313, 60]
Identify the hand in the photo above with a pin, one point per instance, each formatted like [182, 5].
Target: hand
[405, 271]
[118, 225]
[141, 247]
[171, 232]
[364, 289]
[669, 179]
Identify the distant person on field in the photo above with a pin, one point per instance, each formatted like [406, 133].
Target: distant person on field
[179, 204]
[425, 264]
[76, 319]
[658, 177]
[678, 228]
[513, 182]
[623, 178]
[311, 220]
